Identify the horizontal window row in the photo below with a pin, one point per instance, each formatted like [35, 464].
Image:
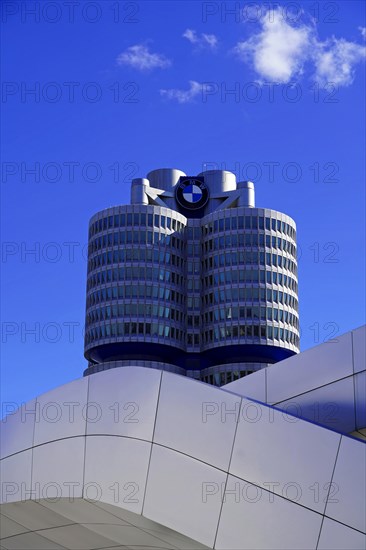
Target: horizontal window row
[128, 292]
[225, 259]
[228, 314]
[134, 220]
[232, 259]
[148, 274]
[217, 296]
[127, 329]
[230, 223]
[145, 255]
[267, 332]
[232, 313]
[250, 276]
[226, 295]
[134, 237]
[117, 311]
[236, 240]
[249, 222]
[216, 334]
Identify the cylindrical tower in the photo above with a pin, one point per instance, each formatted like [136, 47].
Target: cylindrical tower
[249, 298]
[135, 287]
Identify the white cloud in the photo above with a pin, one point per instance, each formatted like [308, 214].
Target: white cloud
[362, 31]
[211, 39]
[139, 57]
[208, 40]
[335, 60]
[183, 96]
[279, 52]
[190, 35]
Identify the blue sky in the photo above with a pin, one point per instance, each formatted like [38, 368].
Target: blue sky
[121, 88]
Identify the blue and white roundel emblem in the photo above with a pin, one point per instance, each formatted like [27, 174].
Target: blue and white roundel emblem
[191, 193]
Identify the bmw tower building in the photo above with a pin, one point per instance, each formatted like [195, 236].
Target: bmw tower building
[191, 278]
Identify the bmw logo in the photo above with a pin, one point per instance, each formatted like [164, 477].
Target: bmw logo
[191, 193]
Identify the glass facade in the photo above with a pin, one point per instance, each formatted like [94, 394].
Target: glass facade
[249, 279]
[136, 283]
